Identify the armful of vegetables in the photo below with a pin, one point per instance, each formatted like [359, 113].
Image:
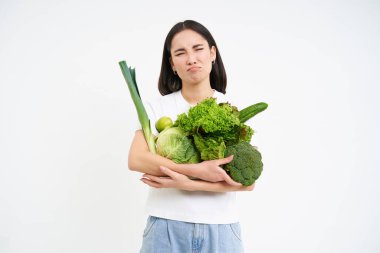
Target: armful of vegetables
[213, 131]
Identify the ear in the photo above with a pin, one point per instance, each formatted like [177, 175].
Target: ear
[213, 53]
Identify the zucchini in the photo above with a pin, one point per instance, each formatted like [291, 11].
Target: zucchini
[252, 110]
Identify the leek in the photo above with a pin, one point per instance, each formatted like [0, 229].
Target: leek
[130, 77]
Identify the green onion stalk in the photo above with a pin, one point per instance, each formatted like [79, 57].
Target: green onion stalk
[130, 77]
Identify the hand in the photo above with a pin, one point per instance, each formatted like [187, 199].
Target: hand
[173, 180]
[248, 188]
[182, 182]
[212, 171]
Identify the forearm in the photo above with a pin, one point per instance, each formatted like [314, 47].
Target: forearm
[142, 160]
[149, 163]
[200, 185]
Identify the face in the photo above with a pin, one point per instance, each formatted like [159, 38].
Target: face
[191, 57]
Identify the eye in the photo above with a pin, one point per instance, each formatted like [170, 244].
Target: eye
[179, 54]
[199, 49]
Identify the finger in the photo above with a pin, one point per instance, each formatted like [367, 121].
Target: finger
[151, 183]
[153, 178]
[168, 172]
[226, 160]
[251, 187]
[229, 181]
[248, 188]
[165, 182]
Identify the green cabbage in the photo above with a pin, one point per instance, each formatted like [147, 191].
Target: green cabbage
[173, 143]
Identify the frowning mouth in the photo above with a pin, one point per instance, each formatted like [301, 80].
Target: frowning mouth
[194, 68]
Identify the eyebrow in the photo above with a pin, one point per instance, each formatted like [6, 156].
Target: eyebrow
[182, 49]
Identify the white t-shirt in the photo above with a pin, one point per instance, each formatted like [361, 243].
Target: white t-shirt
[188, 206]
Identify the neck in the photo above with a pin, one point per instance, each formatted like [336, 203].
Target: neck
[193, 94]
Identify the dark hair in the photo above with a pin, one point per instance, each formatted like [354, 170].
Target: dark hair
[168, 82]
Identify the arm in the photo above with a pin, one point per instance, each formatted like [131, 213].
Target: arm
[142, 160]
[179, 181]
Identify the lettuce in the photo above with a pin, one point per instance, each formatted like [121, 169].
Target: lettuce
[213, 126]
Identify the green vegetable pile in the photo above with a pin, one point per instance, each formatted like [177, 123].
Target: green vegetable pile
[218, 131]
[207, 131]
[213, 127]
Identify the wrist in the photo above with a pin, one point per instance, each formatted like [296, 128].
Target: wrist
[191, 186]
[188, 169]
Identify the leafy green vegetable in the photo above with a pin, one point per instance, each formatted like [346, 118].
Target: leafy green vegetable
[211, 148]
[173, 143]
[130, 78]
[208, 117]
[246, 167]
[213, 126]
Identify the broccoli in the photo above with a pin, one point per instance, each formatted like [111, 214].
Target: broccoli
[246, 166]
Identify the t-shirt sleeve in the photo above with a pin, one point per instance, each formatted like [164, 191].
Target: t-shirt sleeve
[151, 115]
[151, 108]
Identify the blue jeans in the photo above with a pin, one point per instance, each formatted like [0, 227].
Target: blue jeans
[170, 236]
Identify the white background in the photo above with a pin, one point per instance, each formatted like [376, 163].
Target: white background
[67, 120]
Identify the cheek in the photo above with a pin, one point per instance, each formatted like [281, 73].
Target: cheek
[178, 63]
[206, 58]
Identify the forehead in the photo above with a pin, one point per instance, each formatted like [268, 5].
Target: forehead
[187, 39]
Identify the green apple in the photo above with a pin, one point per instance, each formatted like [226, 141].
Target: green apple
[163, 123]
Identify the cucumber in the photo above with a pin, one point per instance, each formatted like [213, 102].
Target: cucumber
[251, 111]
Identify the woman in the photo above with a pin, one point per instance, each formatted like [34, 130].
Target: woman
[187, 215]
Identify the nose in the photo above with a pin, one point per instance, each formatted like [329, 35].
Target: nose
[191, 59]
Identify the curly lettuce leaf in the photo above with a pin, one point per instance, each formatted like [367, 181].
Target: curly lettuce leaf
[210, 147]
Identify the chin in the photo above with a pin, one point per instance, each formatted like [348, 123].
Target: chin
[197, 79]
